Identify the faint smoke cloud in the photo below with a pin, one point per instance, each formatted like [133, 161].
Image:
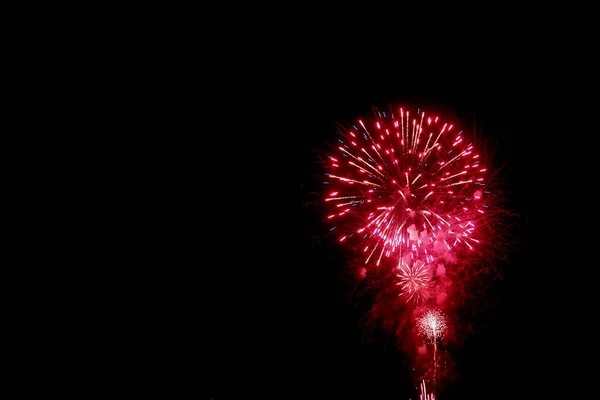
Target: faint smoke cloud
[441, 270]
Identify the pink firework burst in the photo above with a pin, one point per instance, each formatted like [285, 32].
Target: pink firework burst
[414, 280]
[432, 324]
[406, 182]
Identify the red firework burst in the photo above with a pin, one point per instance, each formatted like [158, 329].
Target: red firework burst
[414, 280]
[406, 182]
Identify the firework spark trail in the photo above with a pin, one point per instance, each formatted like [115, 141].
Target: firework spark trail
[432, 325]
[406, 183]
[424, 395]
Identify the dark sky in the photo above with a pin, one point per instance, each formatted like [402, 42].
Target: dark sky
[284, 320]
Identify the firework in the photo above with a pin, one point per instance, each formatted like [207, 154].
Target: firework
[432, 324]
[406, 182]
[414, 280]
[409, 189]
[424, 395]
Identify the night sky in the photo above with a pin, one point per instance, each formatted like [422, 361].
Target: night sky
[297, 328]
